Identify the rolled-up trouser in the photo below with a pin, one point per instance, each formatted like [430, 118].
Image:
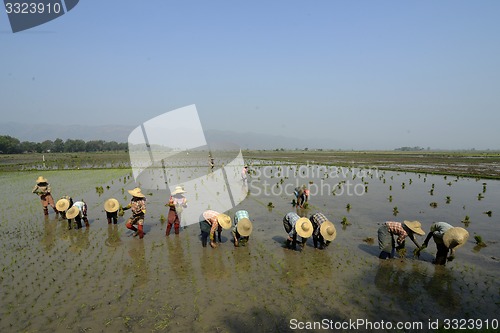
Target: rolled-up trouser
[205, 232]
[385, 239]
[442, 251]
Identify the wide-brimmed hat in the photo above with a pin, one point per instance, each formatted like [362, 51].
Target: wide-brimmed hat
[41, 179]
[62, 205]
[111, 205]
[178, 190]
[244, 227]
[72, 212]
[224, 221]
[304, 227]
[455, 237]
[415, 226]
[136, 192]
[328, 231]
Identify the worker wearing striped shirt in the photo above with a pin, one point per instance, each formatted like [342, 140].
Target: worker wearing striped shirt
[390, 229]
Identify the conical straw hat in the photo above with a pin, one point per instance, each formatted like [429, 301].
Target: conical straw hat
[415, 226]
[244, 227]
[455, 237]
[62, 205]
[328, 231]
[41, 179]
[136, 192]
[224, 221]
[72, 212]
[111, 205]
[304, 227]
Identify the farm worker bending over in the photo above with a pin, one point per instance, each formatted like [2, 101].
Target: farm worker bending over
[138, 205]
[242, 228]
[42, 189]
[301, 195]
[111, 206]
[402, 230]
[296, 225]
[62, 205]
[210, 221]
[324, 230]
[177, 203]
[447, 239]
[78, 212]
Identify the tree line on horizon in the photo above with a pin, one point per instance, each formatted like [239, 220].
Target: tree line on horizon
[11, 145]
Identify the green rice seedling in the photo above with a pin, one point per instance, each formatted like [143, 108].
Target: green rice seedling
[489, 212]
[480, 196]
[348, 207]
[431, 191]
[466, 220]
[395, 211]
[448, 199]
[390, 198]
[390, 187]
[479, 240]
[345, 222]
[403, 185]
[368, 240]
[433, 204]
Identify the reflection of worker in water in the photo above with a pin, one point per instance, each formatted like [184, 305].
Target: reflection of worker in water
[78, 212]
[43, 190]
[447, 239]
[390, 229]
[324, 230]
[209, 224]
[440, 288]
[62, 205]
[79, 241]
[111, 206]
[113, 239]
[177, 262]
[242, 228]
[297, 226]
[139, 267]
[176, 203]
[138, 206]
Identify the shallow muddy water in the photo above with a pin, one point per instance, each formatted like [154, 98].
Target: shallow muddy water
[101, 279]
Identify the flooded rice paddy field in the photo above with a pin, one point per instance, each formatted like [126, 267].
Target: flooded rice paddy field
[102, 279]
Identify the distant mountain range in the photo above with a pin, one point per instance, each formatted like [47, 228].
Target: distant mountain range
[246, 140]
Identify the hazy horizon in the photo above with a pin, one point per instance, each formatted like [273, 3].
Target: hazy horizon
[349, 75]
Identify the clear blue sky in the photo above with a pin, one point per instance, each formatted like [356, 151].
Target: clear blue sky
[361, 74]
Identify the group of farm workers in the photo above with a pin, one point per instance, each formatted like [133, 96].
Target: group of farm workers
[322, 230]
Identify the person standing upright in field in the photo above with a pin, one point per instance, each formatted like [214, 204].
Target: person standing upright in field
[177, 203]
[43, 190]
[138, 206]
